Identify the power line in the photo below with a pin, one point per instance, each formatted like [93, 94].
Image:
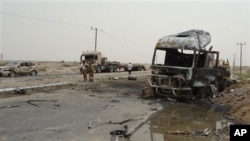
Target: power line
[112, 38]
[44, 20]
[120, 41]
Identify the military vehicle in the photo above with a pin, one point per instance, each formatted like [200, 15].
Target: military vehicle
[101, 64]
[183, 68]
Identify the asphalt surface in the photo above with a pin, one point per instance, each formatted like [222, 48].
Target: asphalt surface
[66, 114]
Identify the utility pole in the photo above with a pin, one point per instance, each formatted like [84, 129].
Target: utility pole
[234, 62]
[241, 54]
[96, 29]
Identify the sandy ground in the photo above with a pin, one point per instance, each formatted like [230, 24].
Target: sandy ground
[237, 98]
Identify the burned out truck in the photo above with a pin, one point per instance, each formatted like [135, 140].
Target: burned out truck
[183, 68]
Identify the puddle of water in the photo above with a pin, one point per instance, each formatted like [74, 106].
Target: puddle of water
[180, 118]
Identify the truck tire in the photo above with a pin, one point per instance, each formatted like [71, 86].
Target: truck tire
[12, 74]
[33, 73]
[115, 69]
[111, 69]
[98, 69]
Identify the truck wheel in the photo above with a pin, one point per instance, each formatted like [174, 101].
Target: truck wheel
[12, 74]
[111, 69]
[33, 73]
[98, 69]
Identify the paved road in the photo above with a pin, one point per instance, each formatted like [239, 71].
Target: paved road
[66, 114]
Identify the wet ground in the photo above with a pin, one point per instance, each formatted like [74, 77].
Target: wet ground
[185, 122]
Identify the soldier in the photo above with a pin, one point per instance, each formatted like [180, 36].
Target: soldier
[91, 72]
[85, 67]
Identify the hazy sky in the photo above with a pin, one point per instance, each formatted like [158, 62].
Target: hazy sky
[56, 30]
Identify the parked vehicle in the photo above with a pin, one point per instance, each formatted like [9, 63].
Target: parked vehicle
[102, 64]
[182, 67]
[13, 69]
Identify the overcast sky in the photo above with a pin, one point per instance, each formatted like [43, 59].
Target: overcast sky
[55, 30]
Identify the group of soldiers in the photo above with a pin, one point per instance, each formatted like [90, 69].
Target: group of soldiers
[87, 69]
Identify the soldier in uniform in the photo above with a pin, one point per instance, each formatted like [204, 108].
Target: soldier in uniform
[91, 72]
[85, 67]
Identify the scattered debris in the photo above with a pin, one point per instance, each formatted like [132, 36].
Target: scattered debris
[19, 91]
[115, 78]
[114, 101]
[180, 132]
[221, 126]
[132, 78]
[122, 122]
[32, 102]
[171, 99]
[120, 133]
[204, 132]
[10, 106]
[90, 125]
[92, 95]
[239, 92]
[153, 109]
[147, 92]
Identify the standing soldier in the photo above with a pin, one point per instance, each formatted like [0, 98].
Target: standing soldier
[85, 67]
[91, 73]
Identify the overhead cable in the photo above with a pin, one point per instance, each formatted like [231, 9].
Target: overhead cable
[45, 20]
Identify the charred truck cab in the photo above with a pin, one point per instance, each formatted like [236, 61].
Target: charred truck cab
[182, 67]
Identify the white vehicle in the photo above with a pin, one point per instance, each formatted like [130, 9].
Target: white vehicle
[13, 69]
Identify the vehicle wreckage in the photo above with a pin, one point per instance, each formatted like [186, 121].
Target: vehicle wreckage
[182, 67]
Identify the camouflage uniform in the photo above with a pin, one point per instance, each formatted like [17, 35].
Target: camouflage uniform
[85, 70]
[91, 73]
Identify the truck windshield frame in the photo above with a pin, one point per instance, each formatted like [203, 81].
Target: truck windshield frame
[170, 57]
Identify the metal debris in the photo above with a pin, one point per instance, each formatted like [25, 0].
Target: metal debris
[90, 125]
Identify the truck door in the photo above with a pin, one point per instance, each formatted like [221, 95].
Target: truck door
[24, 68]
[205, 70]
